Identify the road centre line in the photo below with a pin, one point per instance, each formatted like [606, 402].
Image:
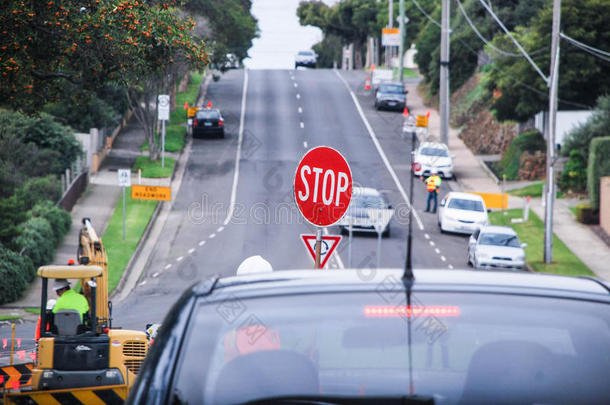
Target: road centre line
[168, 266]
[438, 252]
[240, 139]
[380, 151]
[296, 85]
[450, 266]
[180, 258]
[220, 229]
[426, 236]
[305, 144]
[212, 236]
[302, 124]
[300, 110]
[155, 275]
[432, 243]
[443, 258]
[202, 243]
[191, 250]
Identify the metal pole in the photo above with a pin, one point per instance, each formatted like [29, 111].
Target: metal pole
[444, 83]
[550, 140]
[318, 248]
[379, 249]
[12, 343]
[123, 212]
[163, 143]
[401, 48]
[349, 247]
[389, 49]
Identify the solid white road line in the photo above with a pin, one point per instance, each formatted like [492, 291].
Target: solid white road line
[240, 139]
[202, 243]
[380, 150]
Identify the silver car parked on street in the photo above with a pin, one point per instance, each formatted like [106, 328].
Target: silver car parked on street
[496, 246]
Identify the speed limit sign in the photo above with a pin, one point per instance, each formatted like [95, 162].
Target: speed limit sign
[163, 107]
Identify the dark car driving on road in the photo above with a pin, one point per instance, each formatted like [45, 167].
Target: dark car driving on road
[372, 336]
[390, 96]
[208, 122]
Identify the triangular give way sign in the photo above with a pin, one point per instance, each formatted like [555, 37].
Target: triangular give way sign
[329, 244]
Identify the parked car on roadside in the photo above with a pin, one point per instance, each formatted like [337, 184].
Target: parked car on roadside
[462, 213]
[431, 156]
[306, 59]
[496, 246]
[208, 122]
[390, 96]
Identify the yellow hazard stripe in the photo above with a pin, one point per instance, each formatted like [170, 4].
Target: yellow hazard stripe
[94, 396]
[88, 397]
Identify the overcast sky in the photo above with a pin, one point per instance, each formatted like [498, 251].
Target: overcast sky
[281, 35]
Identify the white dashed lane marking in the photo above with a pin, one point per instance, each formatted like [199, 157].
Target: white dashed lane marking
[296, 85]
[180, 258]
[426, 236]
[298, 96]
[202, 243]
[300, 110]
[305, 144]
[450, 266]
[212, 236]
[155, 275]
[302, 125]
[143, 282]
[443, 258]
[431, 243]
[191, 250]
[220, 229]
[437, 251]
[168, 266]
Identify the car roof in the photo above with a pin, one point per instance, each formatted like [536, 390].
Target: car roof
[365, 191]
[498, 229]
[465, 196]
[437, 280]
[433, 145]
[392, 82]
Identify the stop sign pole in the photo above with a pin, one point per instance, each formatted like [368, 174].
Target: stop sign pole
[322, 190]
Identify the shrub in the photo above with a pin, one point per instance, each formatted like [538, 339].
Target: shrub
[12, 213]
[58, 218]
[574, 174]
[530, 141]
[36, 241]
[13, 272]
[586, 214]
[39, 189]
[599, 166]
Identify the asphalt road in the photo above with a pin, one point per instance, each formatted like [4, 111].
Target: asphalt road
[286, 113]
[220, 218]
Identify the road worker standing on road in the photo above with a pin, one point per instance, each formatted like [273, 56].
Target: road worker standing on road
[433, 185]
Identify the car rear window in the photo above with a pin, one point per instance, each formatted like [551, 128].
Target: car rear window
[465, 348]
[499, 239]
[207, 114]
[305, 53]
[464, 204]
[434, 152]
[391, 88]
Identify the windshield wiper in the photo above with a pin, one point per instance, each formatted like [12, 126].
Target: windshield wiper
[344, 399]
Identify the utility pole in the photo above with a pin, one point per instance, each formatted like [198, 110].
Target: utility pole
[550, 135]
[401, 30]
[444, 79]
[389, 49]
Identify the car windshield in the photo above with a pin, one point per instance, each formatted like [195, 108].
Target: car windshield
[465, 347]
[434, 152]
[499, 239]
[464, 204]
[367, 201]
[206, 114]
[391, 88]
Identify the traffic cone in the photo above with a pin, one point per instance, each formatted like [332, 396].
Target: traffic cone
[209, 104]
[367, 83]
[428, 114]
[373, 67]
[186, 105]
[405, 112]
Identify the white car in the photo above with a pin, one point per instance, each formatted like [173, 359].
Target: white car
[363, 200]
[462, 213]
[432, 156]
[496, 246]
[306, 59]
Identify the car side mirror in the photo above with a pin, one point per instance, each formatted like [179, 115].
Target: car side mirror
[442, 204]
[523, 245]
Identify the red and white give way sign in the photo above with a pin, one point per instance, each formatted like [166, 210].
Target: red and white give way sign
[323, 186]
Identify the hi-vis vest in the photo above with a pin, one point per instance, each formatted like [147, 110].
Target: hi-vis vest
[432, 183]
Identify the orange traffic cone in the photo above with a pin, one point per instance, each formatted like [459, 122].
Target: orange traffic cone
[186, 105]
[373, 67]
[367, 83]
[209, 104]
[405, 112]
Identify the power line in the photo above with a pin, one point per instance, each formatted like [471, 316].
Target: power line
[426, 14]
[598, 53]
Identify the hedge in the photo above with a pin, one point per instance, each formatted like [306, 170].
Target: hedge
[599, 166]
[530, 141]
[37, 242]
[13, 275]
[58, 218]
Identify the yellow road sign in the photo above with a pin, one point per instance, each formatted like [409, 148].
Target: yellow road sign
[421, 121]
[494, 200]
[111, 394]
[140, 192]
[190, 113]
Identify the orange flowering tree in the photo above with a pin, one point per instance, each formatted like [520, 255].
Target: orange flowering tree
[50, 47]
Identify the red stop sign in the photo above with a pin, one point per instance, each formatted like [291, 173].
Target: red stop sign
[323, 186]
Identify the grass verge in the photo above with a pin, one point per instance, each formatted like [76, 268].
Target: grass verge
[137, 216]
[32, 310]
[153, 169]
[175, 139]
[574, 210]
[406, 73]
[9, 317]
[532, 233]
[533, 190]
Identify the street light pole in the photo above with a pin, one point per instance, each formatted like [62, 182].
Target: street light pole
[389, 49]
[444, 79]
[550, 135]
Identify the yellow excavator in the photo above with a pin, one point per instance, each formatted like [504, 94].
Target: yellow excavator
[82, 360]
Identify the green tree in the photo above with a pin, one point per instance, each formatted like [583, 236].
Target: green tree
[12, 213]
[582, 77]
[13, 275]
